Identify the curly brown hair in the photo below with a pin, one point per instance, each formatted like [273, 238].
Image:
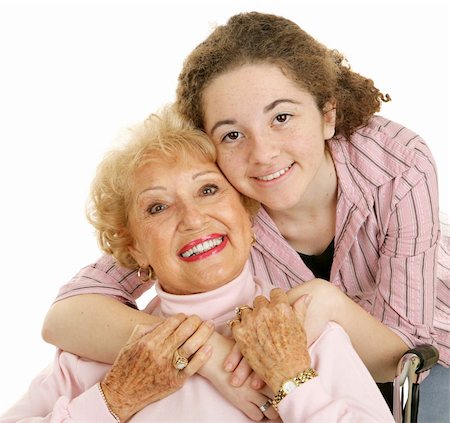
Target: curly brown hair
[250, 38]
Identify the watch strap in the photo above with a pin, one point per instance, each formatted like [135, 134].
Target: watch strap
[290, 384]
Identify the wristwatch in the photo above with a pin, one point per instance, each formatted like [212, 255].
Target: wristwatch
[288, 386]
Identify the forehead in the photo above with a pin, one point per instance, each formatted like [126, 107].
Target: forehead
[249, 84]
[160, 167]
[250, 75]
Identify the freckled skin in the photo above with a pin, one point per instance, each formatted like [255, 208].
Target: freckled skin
[143, 372]
[272, 339]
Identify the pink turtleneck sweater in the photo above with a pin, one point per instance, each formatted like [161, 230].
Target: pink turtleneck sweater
[344, 391]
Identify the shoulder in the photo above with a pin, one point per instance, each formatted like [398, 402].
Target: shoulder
[107, 277]
[385, 132]
[382, 150]
[106, 269]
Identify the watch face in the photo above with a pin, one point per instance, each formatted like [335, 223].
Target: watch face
[288, 386]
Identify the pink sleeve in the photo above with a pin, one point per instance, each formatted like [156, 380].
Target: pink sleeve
[66, 391]
[408, 257]
[106, 277]
[88, 407]
[344, 391]
[409, 223]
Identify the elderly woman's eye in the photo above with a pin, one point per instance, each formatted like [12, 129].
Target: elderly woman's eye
[209, 189]
[156, 208]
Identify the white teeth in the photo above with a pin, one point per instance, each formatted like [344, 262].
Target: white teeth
[203, 247]
[273, 175]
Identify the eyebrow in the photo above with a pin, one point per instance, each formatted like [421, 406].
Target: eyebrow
[222, 122]
[266, 109]
[194, 177]
[275, 103]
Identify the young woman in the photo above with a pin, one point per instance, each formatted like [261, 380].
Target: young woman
[346, 196]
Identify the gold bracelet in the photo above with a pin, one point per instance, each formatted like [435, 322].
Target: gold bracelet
[116, 417]
[291, 384]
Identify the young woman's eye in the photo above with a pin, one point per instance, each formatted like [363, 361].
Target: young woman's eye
[231, 136]
[156, 208]
[282, 118]
[209, 189]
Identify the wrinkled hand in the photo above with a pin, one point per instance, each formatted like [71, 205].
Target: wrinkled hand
[143, 372]
[272, 339]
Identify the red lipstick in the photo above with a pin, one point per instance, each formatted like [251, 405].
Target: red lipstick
[204, 254]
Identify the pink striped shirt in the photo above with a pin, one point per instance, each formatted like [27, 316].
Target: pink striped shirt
[390, 256]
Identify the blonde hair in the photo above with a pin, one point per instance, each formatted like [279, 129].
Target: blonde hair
[252, 38]
[166, 136]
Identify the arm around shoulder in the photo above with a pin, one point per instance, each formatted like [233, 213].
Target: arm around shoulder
[92, 326]
[90, 317]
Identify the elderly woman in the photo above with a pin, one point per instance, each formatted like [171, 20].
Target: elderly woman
[161, 205]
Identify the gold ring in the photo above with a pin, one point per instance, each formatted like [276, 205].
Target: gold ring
[238, 310]
[231, 322]
[179, 362]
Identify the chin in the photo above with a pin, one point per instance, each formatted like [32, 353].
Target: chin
[279, 205]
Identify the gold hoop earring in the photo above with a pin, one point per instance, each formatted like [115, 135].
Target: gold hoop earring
[253, 239]
[145, 277]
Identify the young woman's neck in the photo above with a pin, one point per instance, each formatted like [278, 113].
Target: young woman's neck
[309, 226]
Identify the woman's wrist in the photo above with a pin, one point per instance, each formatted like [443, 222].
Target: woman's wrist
[221, 347]
[113, 404]
[290, 384]
[102, 393]
[279, 373]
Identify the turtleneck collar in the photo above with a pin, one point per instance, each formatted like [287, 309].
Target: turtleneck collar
[217, 305]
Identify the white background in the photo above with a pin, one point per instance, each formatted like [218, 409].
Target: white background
[73, 74]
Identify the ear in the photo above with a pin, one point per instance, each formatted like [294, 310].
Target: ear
[329, 119]
[138, 255]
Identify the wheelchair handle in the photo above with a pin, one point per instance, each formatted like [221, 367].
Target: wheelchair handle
[428, 356]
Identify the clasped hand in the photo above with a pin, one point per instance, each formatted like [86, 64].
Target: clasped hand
[272, 338]
[143, 372]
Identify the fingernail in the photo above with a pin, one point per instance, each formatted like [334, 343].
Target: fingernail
[228, 367]
[209, 323]
[235, 381]
[255, 384]
[207, 349]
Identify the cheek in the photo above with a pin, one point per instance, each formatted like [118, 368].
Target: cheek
[231, 166]
[309, 144]
[152, 245]
[161, 261]
[245, 227]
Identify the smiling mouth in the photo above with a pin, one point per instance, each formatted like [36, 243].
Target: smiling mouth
[275, 175]
[204, 249]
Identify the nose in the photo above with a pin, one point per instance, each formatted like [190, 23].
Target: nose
[192, 217]
[264, 149]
